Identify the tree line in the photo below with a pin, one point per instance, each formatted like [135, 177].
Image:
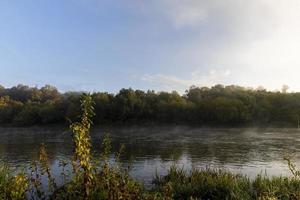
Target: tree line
[218, 105]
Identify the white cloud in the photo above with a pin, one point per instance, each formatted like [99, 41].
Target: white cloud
[169, 82]
[253, 17]
[185, 14]
[259, 40]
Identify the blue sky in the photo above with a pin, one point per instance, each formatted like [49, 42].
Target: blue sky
[105, 45]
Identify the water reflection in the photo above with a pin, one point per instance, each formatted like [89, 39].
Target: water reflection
[151, 149]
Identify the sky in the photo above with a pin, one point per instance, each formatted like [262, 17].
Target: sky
[165, 45]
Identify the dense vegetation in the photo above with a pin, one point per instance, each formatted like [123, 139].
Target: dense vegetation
[219, 105]
[219, 184]
[92, 178]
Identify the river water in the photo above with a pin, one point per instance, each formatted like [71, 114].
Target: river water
[154, 149]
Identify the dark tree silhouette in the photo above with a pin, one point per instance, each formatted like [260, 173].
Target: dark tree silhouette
[215, 106]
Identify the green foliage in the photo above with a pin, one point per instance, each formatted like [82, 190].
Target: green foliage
[82, 143]
[205, 184]
[5, 176]
[216, 106]
[218, 184]
[12, 187]
[292, 167]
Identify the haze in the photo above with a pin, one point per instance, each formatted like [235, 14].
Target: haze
[160, 44]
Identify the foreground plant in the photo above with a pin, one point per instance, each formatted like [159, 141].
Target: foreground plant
[82, 141]
[219, 184]
[106, 179]
[103, 180]
[12, 187]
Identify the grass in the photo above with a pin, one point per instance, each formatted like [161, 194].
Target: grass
[91, 179]
[12, 187]
[219, 184]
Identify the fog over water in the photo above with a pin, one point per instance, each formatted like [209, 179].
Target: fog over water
[154, 149]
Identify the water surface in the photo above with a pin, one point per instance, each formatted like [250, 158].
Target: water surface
[154, 149]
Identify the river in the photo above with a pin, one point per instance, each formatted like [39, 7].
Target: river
[154, 149]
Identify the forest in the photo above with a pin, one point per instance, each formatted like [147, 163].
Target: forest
[219, 105]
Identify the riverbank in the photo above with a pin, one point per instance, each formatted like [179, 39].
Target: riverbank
[112, 183]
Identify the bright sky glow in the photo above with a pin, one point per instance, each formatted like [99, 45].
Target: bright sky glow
[105, 45]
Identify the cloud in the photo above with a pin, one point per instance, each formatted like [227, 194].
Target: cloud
[190, 13]
[259, 40]
[226, 15]
[169, 82]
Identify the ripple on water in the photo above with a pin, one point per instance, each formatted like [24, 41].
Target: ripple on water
[155, 149]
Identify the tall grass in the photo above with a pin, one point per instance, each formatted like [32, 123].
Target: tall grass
[91, 179]
[220, 184]
[12, 187]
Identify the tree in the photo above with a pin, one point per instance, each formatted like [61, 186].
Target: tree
[49, 93]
